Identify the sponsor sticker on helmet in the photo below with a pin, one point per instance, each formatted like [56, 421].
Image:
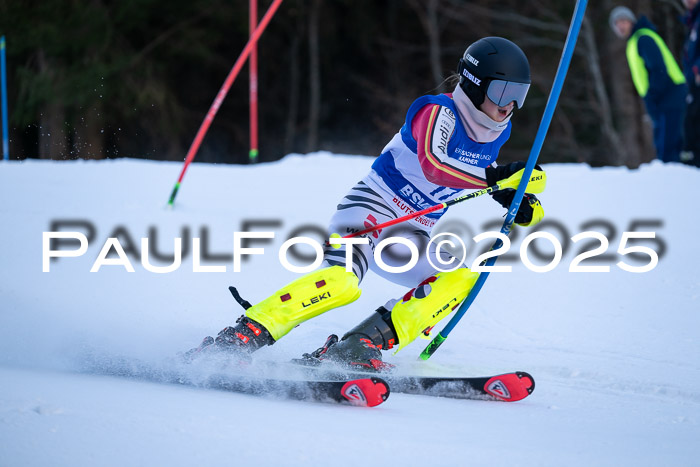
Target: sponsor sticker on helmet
[471, 77]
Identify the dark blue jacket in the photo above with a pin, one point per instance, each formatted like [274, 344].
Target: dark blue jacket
[663, 94]
[691, 51]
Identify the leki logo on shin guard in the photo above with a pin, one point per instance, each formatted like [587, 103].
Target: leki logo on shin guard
[447, 306]
[316, 299]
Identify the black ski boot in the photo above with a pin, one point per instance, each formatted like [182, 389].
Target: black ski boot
[244, 338]
[191, 354]
[360, 348]
[247, 335]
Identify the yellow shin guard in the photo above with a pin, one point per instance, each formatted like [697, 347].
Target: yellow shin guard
[305, 298]
[422, 308]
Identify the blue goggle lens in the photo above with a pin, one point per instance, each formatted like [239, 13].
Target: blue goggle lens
[503, 93]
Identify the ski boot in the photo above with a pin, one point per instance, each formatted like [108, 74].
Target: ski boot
[244, 338]
[360, 348]
[271, 319]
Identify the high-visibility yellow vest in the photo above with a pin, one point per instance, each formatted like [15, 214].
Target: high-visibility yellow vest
[640, 76]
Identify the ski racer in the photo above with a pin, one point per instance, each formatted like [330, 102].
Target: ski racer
[449, 143]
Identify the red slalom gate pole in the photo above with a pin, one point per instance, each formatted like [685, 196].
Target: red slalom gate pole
[222, 94]
[253, 85]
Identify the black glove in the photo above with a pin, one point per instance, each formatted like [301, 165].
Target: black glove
[505, 197]
[525, 211]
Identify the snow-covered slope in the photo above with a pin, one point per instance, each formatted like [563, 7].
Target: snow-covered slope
[616, 355]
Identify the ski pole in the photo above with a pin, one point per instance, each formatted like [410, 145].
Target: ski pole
[204, 127]
[535, 185]
[531, 161]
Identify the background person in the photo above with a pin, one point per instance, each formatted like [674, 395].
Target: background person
[691, 70]
[657, 78]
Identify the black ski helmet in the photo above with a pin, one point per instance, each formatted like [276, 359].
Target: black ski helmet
[497, 68]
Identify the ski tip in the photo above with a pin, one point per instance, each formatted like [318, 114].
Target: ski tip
[527, 380]
[511, 387]
[367, 392]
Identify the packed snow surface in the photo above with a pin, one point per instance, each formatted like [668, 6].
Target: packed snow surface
[615, 355]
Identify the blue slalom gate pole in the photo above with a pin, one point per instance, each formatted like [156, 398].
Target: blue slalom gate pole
[3, 91]
[568, 52]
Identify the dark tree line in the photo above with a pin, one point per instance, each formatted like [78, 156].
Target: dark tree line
[135, 78]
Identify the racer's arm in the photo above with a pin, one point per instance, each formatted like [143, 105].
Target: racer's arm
[432, 128]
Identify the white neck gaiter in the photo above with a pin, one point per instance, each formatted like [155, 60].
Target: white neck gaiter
[480, 127]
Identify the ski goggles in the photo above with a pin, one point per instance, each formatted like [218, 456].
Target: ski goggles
[503, 93]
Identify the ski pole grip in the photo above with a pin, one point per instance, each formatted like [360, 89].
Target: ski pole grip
[432, 347]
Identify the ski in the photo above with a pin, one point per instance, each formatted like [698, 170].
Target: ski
[508, 387]
[362, 390]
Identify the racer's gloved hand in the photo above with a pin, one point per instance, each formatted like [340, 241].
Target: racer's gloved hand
[496, 174]
[530, 211]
